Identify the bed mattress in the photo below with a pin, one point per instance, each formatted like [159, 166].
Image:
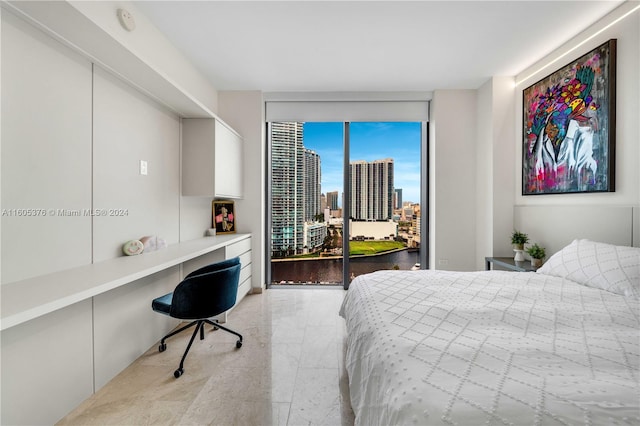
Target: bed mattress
[490, 347]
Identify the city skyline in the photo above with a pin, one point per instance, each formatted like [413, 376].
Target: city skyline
[297, 174]
[369, 142]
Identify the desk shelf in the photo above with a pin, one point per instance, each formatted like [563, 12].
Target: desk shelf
[34, 297]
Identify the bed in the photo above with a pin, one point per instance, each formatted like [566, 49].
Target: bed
[558, 346]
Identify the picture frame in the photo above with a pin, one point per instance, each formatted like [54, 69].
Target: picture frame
[569, 125]
[223, 217]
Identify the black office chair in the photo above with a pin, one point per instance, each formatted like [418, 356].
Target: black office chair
[204, 293]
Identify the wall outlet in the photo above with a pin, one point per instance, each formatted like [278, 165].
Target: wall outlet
[443, 262]
[143, 167]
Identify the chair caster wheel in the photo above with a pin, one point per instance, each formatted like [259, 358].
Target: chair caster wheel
[162, 347]
[238, 344]
[178, 373]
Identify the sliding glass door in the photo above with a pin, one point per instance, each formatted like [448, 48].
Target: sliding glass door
[338, 188]
[306, 209]
[384, 185]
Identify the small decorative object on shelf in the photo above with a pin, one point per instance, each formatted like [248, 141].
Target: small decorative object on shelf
[537, 253]
[133, 247]
[153, 243]
[519, 239]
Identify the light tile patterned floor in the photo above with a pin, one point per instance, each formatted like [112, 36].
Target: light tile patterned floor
[289, 371]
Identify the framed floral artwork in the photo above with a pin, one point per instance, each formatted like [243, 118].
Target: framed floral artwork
[569, 127]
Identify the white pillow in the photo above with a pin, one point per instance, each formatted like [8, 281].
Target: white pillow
[604, 266]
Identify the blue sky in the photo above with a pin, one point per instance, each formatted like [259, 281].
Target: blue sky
[369, 142]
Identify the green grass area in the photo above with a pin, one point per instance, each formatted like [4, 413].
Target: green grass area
[357, 248]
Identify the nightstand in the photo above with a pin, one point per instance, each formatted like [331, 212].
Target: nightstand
[509, 264]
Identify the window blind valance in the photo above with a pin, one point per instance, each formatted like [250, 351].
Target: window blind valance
[341, 111]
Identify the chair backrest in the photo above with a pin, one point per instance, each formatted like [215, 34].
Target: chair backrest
[224, 264]
[207, 292]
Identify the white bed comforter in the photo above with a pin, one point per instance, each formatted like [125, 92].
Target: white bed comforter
[492, 347]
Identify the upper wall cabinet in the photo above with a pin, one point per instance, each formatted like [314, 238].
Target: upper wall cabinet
[211, 159]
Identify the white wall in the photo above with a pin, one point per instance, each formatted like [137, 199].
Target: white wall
[503, 178]
[244, 111]
[453, 139]
[556, 226]
[484, 172]
[1, 204]
[495, 176]
[127, 128]
[195, 217]
[627, 192]
[46, 107]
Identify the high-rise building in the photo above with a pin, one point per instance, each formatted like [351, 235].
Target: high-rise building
[407, 213]
[312, 180]
[332, 200]
[287, 186]
[314, 235]
[371, 189]
[398, 197]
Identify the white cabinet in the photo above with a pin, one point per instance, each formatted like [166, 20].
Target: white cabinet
[211, 159]
[241, 249]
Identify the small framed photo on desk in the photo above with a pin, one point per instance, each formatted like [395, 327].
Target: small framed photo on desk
[223, 217]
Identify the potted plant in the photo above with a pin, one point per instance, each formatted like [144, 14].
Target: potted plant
[519, 239]
[537, 253]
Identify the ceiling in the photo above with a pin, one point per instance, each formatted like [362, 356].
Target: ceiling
[335, 46]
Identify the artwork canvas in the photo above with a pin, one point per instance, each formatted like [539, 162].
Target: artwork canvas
[224, 217]
[569, 127]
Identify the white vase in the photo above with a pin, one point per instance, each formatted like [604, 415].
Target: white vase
[519, 257]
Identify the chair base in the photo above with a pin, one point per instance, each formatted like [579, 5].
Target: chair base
[199, 328]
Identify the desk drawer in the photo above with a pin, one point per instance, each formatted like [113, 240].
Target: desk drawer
[244, 288]
[245, 259]
[245, 273]
[238, 248]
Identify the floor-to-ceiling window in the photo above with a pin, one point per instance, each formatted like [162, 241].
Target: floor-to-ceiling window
[384, 183]
[345, 199]
[306, 212]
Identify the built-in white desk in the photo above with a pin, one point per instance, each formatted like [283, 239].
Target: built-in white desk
[66, 334]
[28, 299]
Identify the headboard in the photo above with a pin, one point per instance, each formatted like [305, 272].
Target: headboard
[553, 227]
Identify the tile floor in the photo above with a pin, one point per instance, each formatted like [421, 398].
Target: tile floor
[289, 371]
